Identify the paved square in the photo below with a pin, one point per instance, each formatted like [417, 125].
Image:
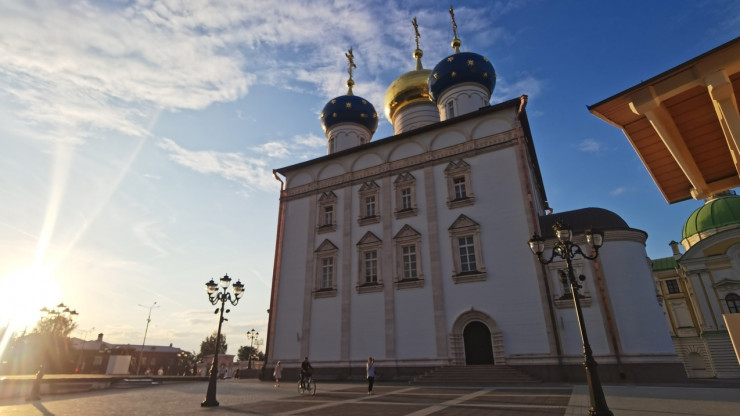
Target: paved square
[251, 397]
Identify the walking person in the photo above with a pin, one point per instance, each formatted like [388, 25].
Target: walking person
[278, 373]
[370, 369]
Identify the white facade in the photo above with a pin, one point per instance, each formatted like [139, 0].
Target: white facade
[353, 225]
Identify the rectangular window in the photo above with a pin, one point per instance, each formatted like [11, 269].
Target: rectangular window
[459, 185]
[672, 286]
[467, 254]
[450, 109]
[329, 215]
[370, 206]
[371, 267]
[406, 198]
[409, 262]
[327, 272]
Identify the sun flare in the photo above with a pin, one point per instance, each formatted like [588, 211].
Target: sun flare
[19, 313]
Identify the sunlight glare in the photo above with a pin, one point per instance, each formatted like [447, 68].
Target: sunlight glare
[21, 313]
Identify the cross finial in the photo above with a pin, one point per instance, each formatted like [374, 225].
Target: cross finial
[455, 42]
[416, 31]
[351, 59]
[454, 25]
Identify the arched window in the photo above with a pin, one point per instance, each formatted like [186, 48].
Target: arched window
[733, 303]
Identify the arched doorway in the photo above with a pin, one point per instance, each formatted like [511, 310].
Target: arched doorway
[478, 346]
[458, 341]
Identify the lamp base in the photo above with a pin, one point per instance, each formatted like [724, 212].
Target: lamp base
[209, 403]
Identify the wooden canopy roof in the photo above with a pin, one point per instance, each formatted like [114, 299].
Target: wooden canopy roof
[684, 124]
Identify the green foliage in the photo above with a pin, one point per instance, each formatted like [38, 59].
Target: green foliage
[208, 346]
[57, 322]
[245, 351]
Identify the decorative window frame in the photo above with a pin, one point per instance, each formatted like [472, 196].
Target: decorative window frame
[368, 243]
[405, 181]
[562, 297]
[325, 250]
[732, 303]
[450, 107]
[465, 227]
[454, 170]
[407, 236]
[369, 189]
[327, 199]
[672, 288]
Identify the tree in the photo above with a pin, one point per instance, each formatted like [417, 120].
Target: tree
[57, 321]
[48, 343]
[208, 346]
[245, 351]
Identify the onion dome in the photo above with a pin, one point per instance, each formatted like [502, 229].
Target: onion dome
[349, 108]
[410, 87]
[719, 213]
[460, 68]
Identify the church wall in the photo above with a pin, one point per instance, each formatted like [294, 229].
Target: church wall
[638, 315]
[367, 326]
[510, 294]
[415, 323]
[325, 341]
[288, 312]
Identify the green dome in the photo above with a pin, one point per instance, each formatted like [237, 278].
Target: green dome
[716, 213]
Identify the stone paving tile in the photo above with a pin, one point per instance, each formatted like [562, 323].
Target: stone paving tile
[498, 411]
[406, 398]
[364, 409]
[321, 396]
[545, 400]
[444, 391]
[272, 407]
[538, 391]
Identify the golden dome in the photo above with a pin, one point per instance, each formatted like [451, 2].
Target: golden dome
[408, 88]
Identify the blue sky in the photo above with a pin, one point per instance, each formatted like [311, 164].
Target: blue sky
[138, 137]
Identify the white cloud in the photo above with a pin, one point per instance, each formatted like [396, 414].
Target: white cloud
[78, 68]
[618, 191]
[151, 236]
[589, 146]
[252, 173]
[273, 149]
[310, 140]
[507, 89]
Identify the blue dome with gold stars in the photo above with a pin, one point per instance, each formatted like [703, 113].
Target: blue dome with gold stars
[459, 68]
[349, 109]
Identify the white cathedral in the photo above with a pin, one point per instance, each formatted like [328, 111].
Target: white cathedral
[412, 249]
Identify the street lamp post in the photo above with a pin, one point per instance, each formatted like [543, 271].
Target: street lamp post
[216, 296]
[251, 335]
[81, 360]
[148, 319]
[567, 250]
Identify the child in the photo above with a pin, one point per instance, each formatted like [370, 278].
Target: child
[278, 373]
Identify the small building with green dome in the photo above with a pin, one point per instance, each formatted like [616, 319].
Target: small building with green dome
[699, 287]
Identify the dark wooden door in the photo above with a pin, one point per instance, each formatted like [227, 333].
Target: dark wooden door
[478, 347]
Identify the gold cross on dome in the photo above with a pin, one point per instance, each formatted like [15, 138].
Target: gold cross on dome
[351, 58]
[416, 31]
[454, 25]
